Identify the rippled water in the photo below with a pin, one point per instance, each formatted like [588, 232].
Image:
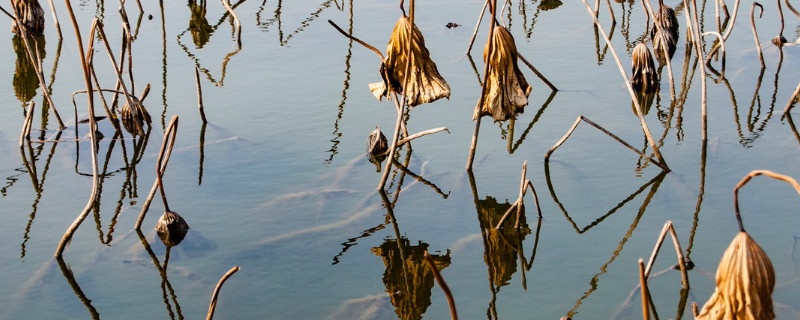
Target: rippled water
[277, 182]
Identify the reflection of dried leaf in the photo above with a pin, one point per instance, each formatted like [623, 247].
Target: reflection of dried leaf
[30, 14]
[667, 36]
[745, 280]
[644, 75]
[549, 4]
[407, 277]
[506, 89]
[425, 84]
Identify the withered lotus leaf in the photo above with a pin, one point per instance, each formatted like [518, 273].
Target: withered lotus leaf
[506, 88]
[134, 117]
[745, 280]
[171, 228]
[424, 82]
[644, 75]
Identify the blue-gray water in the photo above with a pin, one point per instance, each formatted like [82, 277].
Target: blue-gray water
[278, 183]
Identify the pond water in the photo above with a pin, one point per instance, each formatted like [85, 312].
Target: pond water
[278, 183]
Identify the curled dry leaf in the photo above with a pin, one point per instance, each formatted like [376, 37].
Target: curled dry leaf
[506, 88]
[133, 118]
[745, 280]
[377, 146]
[424, 82]
[644, 77]
[171, 228]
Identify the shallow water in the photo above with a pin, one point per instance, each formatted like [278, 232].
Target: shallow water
[278, 184]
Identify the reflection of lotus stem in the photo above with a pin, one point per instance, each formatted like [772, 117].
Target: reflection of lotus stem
[728, 29]
[450, 301]
[215, 295]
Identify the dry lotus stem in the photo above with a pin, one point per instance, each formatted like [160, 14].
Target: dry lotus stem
[425, 84]
[506, 88]
[745, 280]
[644, 75]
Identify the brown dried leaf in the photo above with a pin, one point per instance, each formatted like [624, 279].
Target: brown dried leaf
[425, 84]
[745, 280]
[644, 75]
[506, 88]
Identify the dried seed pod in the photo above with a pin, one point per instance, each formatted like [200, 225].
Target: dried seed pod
[133, 118]
[506, 88]
[377, 146]
[745, 280]
[424, 82]
[644, 77]
[31, 15]
[171, 228]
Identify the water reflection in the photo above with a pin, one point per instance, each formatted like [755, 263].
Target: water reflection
[198, 24]
[334, 150]
[593, 283]
[36, 181]
[166, 286]
[502, 247]
[407, 277]
[25, 79]
[67, 272]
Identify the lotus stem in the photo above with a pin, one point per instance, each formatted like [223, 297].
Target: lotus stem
[378, 52]
[755, 34]
[26, 124]
[420, 134]
[474, 144]
[199, 95]
[790, 104]
[163, 160]
[235, 19]
[792, 9]
[477, 26]
[643, 282]
[449, 295]
[582, 118]
[639, 113]
[747, 178]
[215, 295]
[728, 28]
[538, 74]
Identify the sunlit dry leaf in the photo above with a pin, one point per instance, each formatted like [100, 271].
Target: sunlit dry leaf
[425, 84]
[506, 88]
[644, 75]
[745, 280]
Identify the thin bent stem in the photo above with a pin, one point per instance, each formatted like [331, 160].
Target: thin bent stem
[215, 295]
[163, 161]
[747, 178]
[378, 52]
[755, 34]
